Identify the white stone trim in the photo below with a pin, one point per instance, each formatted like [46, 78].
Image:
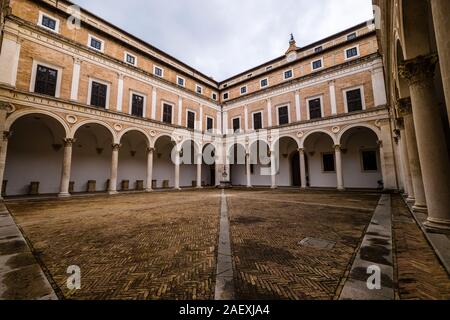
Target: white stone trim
[126, 53]
[288, 105]
[133, 92]
[90, 37]
[163, 102]
[349, 48]
[75, 79]
[162, 71]
[39, 22]
[363, 97]
[48, 65]
[108, 91]
[321, 105]
[184, 81]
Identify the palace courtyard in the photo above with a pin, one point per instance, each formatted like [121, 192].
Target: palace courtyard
[164, 245]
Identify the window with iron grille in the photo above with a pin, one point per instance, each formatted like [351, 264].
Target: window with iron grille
[191, 120]
[167, 113]
[158, 72]
[226, 96]
[288, 74]
[283, 115]
[131, 59]
[209, 123]
[351, 36]
[98, 94]
[317, 64]
[328, 162]
[264, 83]
[236, 124]
[369, 160]
[257, 121]
[318, 49]
[315, 109]
[243, 90]
[46, 79]
[137, 105]
[48, 22]
[354, 100]
[352, 52]
[214, 96]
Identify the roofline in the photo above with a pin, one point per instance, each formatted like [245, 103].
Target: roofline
[309, 46]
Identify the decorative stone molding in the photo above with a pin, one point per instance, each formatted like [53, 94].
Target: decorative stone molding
[71, 119]
[116, 146]
[153, 133]
[300, 134]
[6, 135]
[418, 70]
[68, 142]
[404, 107]
[151, 150]
[9, 107]
[400, 123]
[118, 127]
[336, 129]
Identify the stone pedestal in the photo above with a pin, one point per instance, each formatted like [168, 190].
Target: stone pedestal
[91, 186]
[139, 185]
[125, 185]
[34, 188]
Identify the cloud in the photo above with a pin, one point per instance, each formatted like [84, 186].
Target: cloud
[221, 38]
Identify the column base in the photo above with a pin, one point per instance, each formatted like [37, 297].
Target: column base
[64, 195]
[249, 187]
[111, 193]
[177, 188]
[437, 225]
[149, 190]
[273, 187]
[410, 200]
[199, 187]
[341, 189]
[420, 208]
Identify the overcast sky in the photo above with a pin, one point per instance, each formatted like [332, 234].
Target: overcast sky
[221, 38]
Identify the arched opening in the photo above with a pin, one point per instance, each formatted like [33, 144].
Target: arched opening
[91, 159]
[237, 160]
[209, 165]
[188, 165]
[260, 164]
[163, 166]
[321, 169]
[288, 162]
[132, 169]
[34, 156]
[361, 163]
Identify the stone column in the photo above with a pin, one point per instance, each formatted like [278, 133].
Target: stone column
[434, 159]
[199, 170]
[409, 190]
[387, 155]
[440, 11]
[67, 165]
[248, 170]
[302, 168]
[339, 174]
[273, 169]
[404, 109]
[150, 152]
[378, 85]
[75, 79]
[3, 152]
[114, 165]
[177, 168]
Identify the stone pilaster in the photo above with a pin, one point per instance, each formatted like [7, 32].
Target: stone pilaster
[3, 152]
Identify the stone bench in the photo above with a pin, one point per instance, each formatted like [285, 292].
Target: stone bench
[165, 184]
[125, 185]
[139, 185]
[91, 186]
[34, 188]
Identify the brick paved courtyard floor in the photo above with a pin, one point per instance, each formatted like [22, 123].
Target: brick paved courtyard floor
[163, 245]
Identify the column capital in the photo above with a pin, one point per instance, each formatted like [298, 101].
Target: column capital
[120, 75]
[77, 60]
[68, 142]
[116, 146]
[380, 143]
[301, 150]
[418, 70]
[331, 82]
[404, 107]
[150, 150]
[400, 123]
[6, 135]
[337, 147]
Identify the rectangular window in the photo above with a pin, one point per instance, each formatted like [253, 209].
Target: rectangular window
[236, 124]
[157, 71]
[317, 64]
[199, 89]
[315, 109]
[209, 123]
[354, 100]
[129, 58]
[46, 79]
[288, 74]
[98, 94]
[369, 160]
[264, 83]
[328, 162]
[48, 22]
[226, 96]
[318, 49]
[214, 96]
[351, 36]
[283, 115]
[191, 120]
[244, 90]
[257, 121]
[167, 113]
[352, 52]
[180, 81]
[95, 43]
[137, 105]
